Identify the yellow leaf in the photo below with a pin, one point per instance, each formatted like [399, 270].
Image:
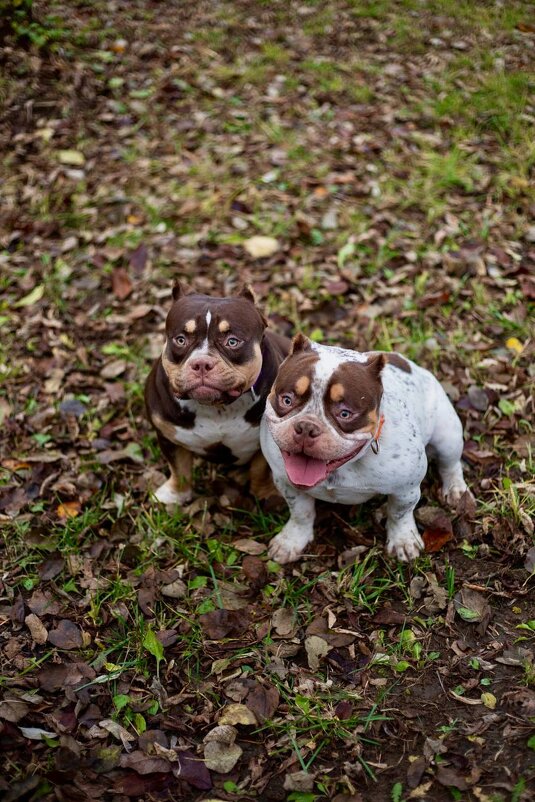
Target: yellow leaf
[72, 157]
[69, 509]
[259, 247]
[35, 295]
[489, 700]
[514, 345]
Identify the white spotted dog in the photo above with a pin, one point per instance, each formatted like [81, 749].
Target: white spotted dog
[344, 426]
[206, 393]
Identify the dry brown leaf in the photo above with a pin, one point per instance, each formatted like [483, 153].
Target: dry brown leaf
[38, 631]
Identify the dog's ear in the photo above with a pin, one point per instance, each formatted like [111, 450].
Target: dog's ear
[300, 343]
[247, 293]
[375, 364]
[178, 290]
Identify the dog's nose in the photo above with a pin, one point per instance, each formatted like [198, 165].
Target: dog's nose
[203, 364]
[305, 429]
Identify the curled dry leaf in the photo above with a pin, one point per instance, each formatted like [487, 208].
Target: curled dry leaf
[220, 752]
[37, 629]
[238, 714]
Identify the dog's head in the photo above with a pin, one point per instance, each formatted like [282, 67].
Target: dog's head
[323, 408]
[212, 352]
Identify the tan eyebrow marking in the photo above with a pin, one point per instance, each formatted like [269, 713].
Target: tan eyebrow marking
[224, 326]
[302, 384]
[190, 326]
[337, 392]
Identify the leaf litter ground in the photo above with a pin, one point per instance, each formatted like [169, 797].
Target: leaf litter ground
[367, 167]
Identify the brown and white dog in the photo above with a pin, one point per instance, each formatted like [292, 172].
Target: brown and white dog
[206, 393]
[344, 426]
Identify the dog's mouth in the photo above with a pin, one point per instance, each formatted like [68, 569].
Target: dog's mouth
[210, 394]
[305, 471]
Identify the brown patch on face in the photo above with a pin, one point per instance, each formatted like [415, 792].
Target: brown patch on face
[336, 392]
[302, 384]
[398, 362]
[190, 326]
[224, 326]
[353, 396]
[174, 373]
[293, 380]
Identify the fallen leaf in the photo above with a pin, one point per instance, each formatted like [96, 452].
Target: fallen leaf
[219, 624]
[144, 764]
[514, 344]
[473, 607]
[13, 709]
[36, 733]
[256, 572]
[72, 157]
[118, 731]
[316, 648]
[51, 678]
[193, 770]
[300, 781]
[220, 752]
[121, 284]
[35, 295]
[66, 635]
[69, 509]
[38, 631]
[263, 701]
[138, 259]
[283, 621]
[237, 714]
[489, 700]
[113, 369]
[389, 616]
[259, 247]
[451, 777]
[249, 546]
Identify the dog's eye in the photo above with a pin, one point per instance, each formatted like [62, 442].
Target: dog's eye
[180, 341]
[233, 342]
[286, 400]
[345, 414]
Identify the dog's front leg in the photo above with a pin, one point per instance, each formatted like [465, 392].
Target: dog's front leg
[291, 541]
[402, 537]
[177, 489]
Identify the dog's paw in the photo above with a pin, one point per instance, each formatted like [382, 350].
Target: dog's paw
[289, 544]
[167, 494]
[406, 544]
[453, 492]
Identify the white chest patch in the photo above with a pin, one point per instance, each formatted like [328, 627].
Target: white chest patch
[219, 426]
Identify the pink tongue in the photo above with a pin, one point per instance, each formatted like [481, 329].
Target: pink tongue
[303, 470]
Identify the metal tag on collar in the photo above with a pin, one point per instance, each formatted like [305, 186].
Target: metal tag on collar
[374, 445]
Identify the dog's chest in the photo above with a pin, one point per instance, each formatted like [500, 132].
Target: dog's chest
[219, 433]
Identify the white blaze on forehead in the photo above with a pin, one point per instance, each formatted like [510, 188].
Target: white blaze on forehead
[330, 358]
[208, 319]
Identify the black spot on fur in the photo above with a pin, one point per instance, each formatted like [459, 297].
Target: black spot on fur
[220, 453]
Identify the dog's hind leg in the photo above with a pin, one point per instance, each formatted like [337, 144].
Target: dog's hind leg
[446, 446]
